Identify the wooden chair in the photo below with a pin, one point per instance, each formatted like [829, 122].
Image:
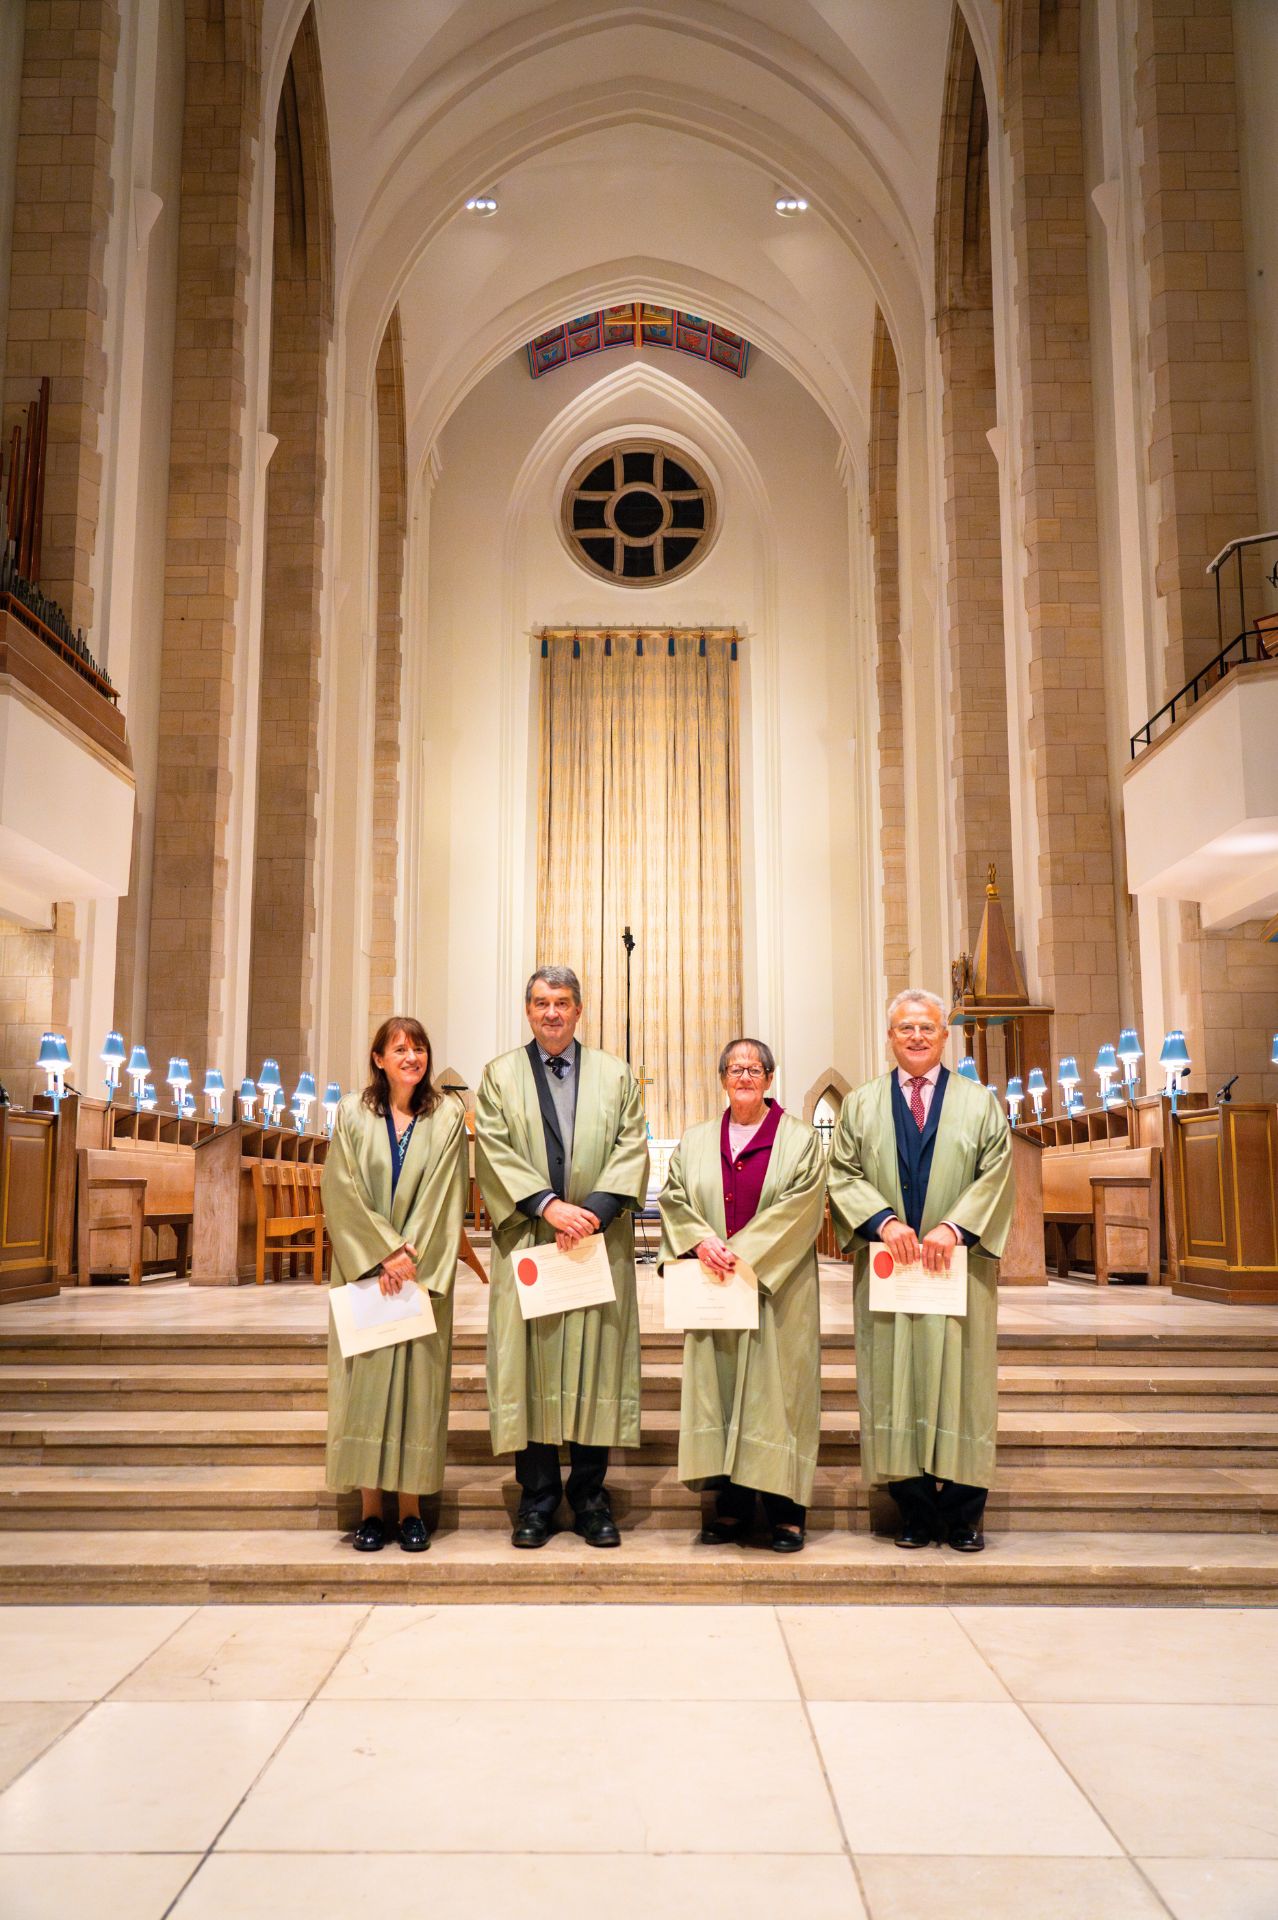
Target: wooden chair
[121, 1192]
[290, 1217]
[1125, 1225]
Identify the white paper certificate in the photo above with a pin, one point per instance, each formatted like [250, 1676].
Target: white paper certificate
[366, 1318]
[695, 1302]
[547, 1281]
[896, 1289]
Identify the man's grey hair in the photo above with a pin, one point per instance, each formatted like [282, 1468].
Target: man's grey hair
[925, 998]
[767, 1059]
[554, 977]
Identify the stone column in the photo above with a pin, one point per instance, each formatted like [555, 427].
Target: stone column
[185, 1008]
[885, 417]
[1076, 952]
[392, 525]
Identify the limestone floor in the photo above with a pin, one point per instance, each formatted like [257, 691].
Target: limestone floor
[840, 1763]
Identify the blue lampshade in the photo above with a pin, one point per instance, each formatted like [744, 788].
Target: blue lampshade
[1128, 1049]
[1175, 1053]
[149, 1098]
[179, 1073]
[213, 1081]
[333, 1093]
[113, 1050]
[1068, 1073]
[247, 1090]
[1107, 1059]
[967, 1068]
[305, 1087]
[1037, 1082]
[139, 1065]
[1016, 1088]
[269, 1076]
[53, 1052]
[1273, 1057]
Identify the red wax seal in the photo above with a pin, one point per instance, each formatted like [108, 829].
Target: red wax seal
[883, 1264]
[527, 1271]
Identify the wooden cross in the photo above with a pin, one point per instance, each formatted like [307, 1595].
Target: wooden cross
[644, 1082]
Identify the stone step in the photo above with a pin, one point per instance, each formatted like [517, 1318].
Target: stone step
[257, 1388]
[1157, 1436]
[239, 1498]
[478, 1564]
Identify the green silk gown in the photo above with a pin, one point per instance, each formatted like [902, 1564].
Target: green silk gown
[927, 1383]
[751, 1401]
[388, 1410]
[567, 1376]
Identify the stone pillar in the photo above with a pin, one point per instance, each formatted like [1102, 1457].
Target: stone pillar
[37, 968]
[57, 296]
[185, 1005]
[973, 604]
[282, 966]
[1202, 456]
[1075, 962]
[885, 417]
[392, 525]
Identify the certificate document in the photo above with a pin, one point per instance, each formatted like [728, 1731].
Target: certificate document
[896, 1289]
[365, 1318]
[547, 1281]
[695, 1302]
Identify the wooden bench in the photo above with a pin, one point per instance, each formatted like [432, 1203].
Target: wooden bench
[1070, 1197]
[120, 1194]
[290, 1217]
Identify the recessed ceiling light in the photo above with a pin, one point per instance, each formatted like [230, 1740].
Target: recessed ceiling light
[789, 204]
[483, 204]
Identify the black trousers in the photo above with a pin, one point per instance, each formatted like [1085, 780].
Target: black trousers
[940, 1510]
[540, 1477]
[734, 1502]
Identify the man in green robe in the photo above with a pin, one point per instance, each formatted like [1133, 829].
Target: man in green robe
[561, 1152]
[922, 1163]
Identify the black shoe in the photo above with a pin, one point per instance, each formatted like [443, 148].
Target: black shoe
[413, 1537]
[914, 1534]
[722, 1531]
[531, 1529]
[370, 1535]
[967, 1540]
[597, 1527]
[788, 1539]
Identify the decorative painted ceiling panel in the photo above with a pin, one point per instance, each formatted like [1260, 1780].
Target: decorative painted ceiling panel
[638, 325]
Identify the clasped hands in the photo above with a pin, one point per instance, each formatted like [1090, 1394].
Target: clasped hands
[717, 1259]
[906, 1247]
[397, 1269]
[571, 1223]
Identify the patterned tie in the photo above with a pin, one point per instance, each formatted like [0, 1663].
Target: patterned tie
[559, 1067]
[916, 1101]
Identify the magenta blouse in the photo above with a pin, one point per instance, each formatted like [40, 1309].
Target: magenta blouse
[743, 1177]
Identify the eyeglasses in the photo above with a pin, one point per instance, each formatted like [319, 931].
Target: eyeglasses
[924, 1033]
[747, 1073]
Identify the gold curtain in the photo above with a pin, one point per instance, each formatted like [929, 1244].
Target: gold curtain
[639, 825]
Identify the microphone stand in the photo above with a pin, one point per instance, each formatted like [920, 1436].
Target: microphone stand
[628, 942]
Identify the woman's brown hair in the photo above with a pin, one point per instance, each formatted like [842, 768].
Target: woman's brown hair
[376, 1096]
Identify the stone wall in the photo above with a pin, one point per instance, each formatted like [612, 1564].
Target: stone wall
[885, 416]
[392, 523]
[37, 969]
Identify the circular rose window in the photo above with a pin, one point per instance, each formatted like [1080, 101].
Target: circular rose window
[639, 513]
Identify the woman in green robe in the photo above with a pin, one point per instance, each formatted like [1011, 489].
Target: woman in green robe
[394, 1197]
[751, 1187]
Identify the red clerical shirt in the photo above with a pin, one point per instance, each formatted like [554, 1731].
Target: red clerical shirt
[743, 1177]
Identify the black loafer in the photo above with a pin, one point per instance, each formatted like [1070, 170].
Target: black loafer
[788, 1539]
[597, 1528]
[413, 1537]
[722, 1533]
[370, 1535]
[530, 1530]
[914, 1534]
[967, 1540]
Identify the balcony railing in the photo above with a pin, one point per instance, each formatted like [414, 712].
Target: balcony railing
[1254, 640]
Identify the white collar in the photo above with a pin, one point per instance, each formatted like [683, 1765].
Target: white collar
[907, 1078]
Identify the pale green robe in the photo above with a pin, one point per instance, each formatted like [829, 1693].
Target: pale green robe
[751, 1401]
[388, 1410]
[566, 1376]
[927, 1383]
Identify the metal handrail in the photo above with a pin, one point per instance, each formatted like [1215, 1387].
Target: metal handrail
[1247, 540]
[1249, 645]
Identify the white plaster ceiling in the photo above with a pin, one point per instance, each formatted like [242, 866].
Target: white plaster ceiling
[636, 148]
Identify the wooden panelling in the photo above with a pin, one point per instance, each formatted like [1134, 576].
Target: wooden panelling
[26, 1204]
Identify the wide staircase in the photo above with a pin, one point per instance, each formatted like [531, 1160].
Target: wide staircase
[187, 1464]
